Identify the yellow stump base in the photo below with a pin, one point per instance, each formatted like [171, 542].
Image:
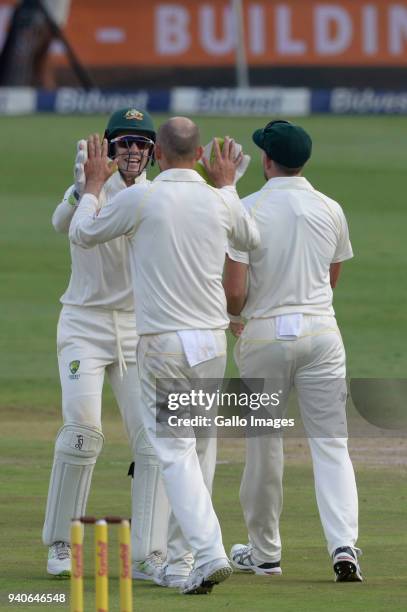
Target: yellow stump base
[126, 595]
[101, 567]
[77, 567]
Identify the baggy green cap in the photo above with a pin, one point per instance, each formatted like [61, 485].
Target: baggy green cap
[285, 143]
[129, 120]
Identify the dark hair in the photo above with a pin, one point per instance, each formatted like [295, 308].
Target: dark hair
[287, 171]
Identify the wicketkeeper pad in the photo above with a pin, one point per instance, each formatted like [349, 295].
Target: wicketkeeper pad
[76, 449]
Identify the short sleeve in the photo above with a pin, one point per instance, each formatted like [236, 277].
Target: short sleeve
[236, 255]
[344, 248]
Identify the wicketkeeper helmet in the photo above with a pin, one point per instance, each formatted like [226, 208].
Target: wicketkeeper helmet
[130, 121]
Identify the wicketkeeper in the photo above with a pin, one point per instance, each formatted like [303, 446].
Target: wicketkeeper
[97, 336]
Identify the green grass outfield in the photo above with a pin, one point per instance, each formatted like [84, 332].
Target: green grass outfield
[362, 163]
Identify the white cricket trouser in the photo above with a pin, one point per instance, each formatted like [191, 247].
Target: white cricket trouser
[91, 336]
[162, 356]
[100, 340]
[307, 363]
[180, 559]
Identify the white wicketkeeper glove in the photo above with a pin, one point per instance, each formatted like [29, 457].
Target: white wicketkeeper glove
[237, 148]
[79, 167]
[79, 173]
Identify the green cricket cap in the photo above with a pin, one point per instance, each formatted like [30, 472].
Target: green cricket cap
[285, 143]
[128, 120]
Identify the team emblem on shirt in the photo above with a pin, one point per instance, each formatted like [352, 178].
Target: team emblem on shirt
[134, 114]
[73, 368]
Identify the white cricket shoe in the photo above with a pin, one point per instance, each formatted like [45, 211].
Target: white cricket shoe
[346, 564]
[173, 581]
[241, 558]
[202, 579]
[59, 560]
[149, 568]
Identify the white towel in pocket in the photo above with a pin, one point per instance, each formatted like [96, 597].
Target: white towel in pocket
[199, 345]
[288, 326]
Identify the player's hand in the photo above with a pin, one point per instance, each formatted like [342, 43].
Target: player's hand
[221, 169]
[236, 329]
[79, 166]
[98, 168]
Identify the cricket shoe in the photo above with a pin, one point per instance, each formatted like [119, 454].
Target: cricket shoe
[241, 558]
[149, 568]
[346, 564]
[59, 560]
[173, 581]
[202, 579]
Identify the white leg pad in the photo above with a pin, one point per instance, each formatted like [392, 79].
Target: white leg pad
[76, 449]
[150, 507]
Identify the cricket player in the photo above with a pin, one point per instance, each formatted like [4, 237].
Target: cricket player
[177, 227]
[292, 337]
[97, 336]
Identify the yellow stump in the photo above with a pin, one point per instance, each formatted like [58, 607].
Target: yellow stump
[101, 567]
[126, 595]
[77, 567]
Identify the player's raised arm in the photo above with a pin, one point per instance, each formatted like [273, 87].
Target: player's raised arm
[62, 215]
[65, 210]
[221, 169]
[119, 217]
[243, 233]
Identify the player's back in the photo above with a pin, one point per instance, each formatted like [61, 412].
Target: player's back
[178, 254]
[302, 233]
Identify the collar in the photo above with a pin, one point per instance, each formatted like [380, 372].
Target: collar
[180, 175]
[288, 182]
[117, 181]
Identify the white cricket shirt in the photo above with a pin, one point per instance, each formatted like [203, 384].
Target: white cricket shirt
[302, 232]
[100, 277]
[177, 227]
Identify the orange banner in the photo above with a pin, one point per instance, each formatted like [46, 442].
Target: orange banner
[202, 33]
